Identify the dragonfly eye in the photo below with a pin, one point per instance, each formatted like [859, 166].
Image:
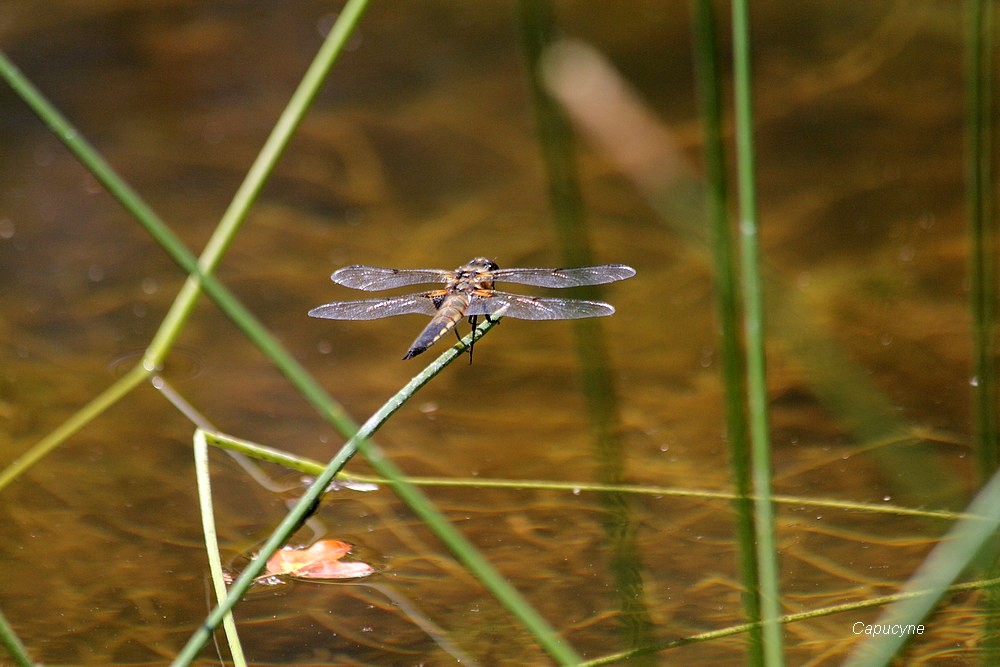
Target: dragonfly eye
[483, 264]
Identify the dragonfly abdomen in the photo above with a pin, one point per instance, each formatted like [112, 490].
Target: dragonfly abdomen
[450, 312]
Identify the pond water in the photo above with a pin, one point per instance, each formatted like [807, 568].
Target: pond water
[422, 151]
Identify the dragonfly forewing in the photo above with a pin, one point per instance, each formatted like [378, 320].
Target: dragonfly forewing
[373, 309]
[574, 277]
[374, 278]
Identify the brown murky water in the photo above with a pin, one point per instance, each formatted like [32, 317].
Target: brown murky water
[421, 151]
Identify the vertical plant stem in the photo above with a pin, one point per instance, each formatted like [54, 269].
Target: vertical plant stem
[555, 138]
[731, 354]
[983, 281]
[204, 478]
[767, 558]
[982, 231]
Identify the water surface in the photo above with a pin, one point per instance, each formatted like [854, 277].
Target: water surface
[422, 152]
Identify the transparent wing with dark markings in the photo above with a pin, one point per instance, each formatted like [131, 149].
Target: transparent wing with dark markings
[536, 308]
[373, 309]
[575, 277]
[373, 278]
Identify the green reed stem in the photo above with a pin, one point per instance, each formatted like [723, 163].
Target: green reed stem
[97, 166]
[212, 542]
[983, 281]
[731, 355]
[10, 641]
[557, 146]
[414, 498]
[767, 551]
[555, 137]
[982, 231]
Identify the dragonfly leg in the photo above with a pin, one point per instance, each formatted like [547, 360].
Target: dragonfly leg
[472, 321]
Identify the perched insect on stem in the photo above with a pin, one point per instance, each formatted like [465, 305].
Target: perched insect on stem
[468, 292]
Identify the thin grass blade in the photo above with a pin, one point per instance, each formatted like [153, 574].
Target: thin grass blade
[15, 648]
[732, 359]
[753, 303]
[983, 281]
[212, 543]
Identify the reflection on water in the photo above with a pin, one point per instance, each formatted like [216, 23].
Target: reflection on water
[421, 152]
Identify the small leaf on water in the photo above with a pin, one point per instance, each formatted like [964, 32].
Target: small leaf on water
[319, 561]
[335, 570]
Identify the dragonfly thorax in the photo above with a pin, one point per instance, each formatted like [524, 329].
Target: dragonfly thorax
[476, 275]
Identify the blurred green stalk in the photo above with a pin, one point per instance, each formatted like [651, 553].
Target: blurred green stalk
[753, 303]
[982, 231]
[733, 362]
[983, 281]
[557, 146]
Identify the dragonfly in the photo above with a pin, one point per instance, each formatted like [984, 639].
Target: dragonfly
[468, 292]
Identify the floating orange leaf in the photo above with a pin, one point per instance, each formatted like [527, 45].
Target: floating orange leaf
[320, 561]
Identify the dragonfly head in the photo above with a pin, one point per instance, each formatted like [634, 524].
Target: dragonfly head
[477, 272]
[480, 264]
